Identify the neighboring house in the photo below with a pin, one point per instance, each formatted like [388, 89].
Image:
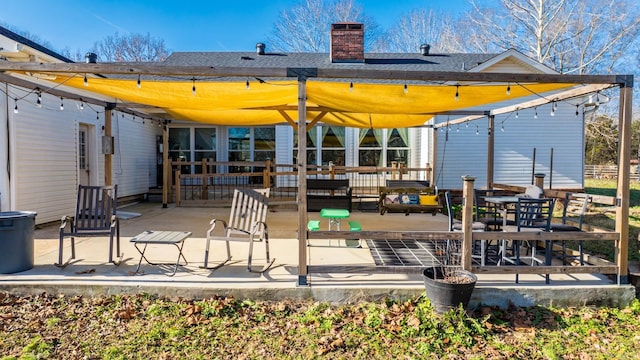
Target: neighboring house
[46, 157]
[47, 151]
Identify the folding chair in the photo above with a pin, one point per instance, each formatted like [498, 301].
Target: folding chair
[95, 216]
[247, 223]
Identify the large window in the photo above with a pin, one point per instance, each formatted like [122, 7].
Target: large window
[251, 144]
[205, 147]
[381, 147]
[312, 139]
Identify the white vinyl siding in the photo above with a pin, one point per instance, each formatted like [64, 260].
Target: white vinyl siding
[465, 153]
[134, 162]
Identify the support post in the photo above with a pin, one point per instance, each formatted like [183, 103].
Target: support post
[490, 151]
[166, 166]
[108, 157]
[539, 180]
[302, 182]
[467, 220]
[622, 191]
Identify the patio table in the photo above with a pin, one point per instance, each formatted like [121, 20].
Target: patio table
[175, 238]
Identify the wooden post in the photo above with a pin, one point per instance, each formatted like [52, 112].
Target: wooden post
[394, 166]
[332, 170]
[539, 180]
[177, 181]
[205, 188]
[166, 166]
[302, 181]
[266, 177]
[400, 170]
[622, 191]
[490, 151]
[108, 156]
[467, 220]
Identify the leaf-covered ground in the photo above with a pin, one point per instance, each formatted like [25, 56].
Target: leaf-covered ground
[145, 327]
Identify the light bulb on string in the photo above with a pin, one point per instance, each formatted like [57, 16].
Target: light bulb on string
[577, 110]
[458, 128]
[81, 104]
[406, 89]
[466, 124]
[61, 103]
[193, 88]
[351, 86]
[516, 113]
[39, 100]
[247, 85]
[457, 97]
[502, 127]
[15, 109]
[86, 82]
[535, 114]
[508, 89]
[138, 84]
[477, 130]
[553, 110]
[97, 115]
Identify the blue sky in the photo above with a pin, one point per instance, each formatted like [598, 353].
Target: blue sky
[184, 25]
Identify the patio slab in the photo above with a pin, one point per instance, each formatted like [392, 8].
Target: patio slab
[90, 274]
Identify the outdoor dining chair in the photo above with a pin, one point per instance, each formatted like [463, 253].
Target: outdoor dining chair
[532, 215]
[575, 207]
[456, 225]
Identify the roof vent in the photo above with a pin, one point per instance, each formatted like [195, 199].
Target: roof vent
[424, 49]
[91, 58]
[260, 48]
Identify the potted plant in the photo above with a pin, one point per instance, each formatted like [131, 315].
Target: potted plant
[447, 284]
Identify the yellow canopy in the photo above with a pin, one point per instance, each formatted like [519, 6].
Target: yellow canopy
[363, 105]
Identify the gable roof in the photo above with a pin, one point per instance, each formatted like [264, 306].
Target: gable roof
[23, 41]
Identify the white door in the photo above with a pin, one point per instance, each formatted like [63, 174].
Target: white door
[84, 158]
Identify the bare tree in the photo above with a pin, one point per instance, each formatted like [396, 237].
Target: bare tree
[571, 36]
[132, 47]
[419, 26]
[305, 26]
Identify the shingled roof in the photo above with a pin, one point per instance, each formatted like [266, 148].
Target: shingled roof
[373, 61]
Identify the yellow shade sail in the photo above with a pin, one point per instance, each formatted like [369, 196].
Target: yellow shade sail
[363, 105]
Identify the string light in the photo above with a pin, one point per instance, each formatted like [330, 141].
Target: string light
[553, 109]
[193, 88]
[15, 109]
[577, 110]
[247, 85]
[39, 100]
[86, 82]
[81, 104]
[477, 130]
[508, 89]
[457, 93]
[466, 124]
[502, 126]
[406, 89]
[516, 113]
[97, 115]
[535, 114]
[458, 128]
[61, 103]
[138, 84]
[351, 86]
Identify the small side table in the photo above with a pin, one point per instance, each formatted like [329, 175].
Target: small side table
[175, 238]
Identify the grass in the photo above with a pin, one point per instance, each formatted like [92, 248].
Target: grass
[604, 218]
[145, 327]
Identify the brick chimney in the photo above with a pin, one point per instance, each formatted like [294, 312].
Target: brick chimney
[347, 42]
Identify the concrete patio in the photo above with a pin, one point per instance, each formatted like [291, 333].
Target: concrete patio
[90, 274]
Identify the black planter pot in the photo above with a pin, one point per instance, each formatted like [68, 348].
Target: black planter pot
[448, 295]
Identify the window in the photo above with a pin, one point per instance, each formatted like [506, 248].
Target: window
[370, 147]
[398, 146]
[333, 145]
[205, 146]
[312, 139]
[251, 144]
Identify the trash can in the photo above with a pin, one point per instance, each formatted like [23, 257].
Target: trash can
[16, 241]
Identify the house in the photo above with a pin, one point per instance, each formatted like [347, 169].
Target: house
[58, 145]
[52, 143]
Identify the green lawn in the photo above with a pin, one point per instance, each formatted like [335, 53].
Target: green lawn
[605, 218]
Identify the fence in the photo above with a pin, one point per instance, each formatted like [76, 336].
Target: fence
[205, 182]
[608, 171]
